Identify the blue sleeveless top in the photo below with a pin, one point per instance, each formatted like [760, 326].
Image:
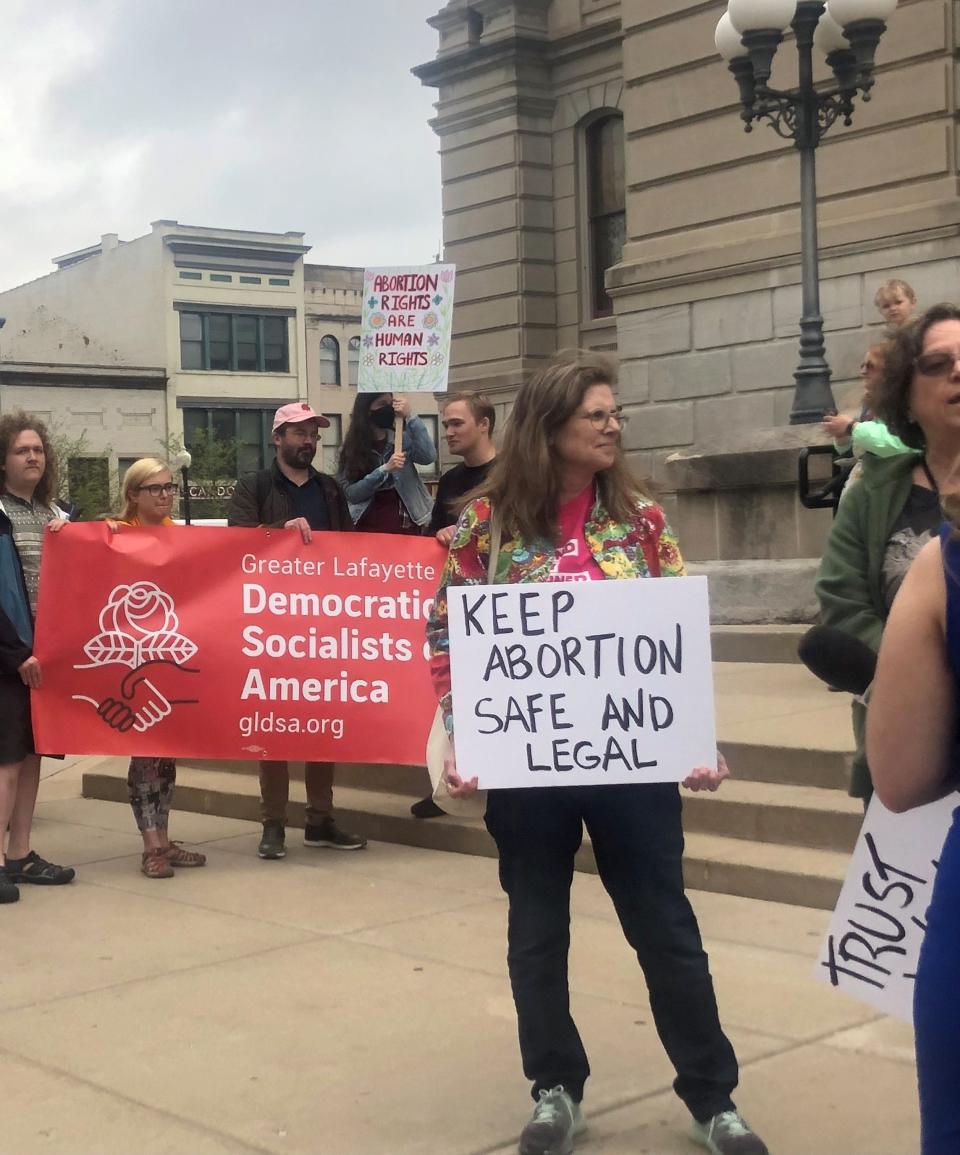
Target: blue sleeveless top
[950, 543]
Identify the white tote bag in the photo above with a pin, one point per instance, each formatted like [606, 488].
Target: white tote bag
[438, 743]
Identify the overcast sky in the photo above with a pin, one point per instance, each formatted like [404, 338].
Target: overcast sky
[252, 114]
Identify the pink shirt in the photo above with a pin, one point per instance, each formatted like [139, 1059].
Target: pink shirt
[575, 562]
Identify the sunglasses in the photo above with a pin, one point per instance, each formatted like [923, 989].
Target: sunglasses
[936, 364]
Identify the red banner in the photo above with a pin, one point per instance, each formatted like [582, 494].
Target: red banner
[235, 644]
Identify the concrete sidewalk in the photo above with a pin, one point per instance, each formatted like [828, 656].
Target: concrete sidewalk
[357, 1004]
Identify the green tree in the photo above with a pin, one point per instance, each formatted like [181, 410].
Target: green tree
[83, 475]
[212, 474]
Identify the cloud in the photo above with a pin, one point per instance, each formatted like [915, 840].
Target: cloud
[298, 114]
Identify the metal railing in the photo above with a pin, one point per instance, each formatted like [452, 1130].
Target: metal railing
[826, 495]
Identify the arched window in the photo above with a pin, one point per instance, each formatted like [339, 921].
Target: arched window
[606, 205]
[329, 360]
[353, 361]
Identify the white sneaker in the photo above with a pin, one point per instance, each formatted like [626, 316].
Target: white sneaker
[728, 1134]
[556, 1121]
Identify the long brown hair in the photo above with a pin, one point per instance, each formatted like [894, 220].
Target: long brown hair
[11, 426]
[523, 485]
[358, 456]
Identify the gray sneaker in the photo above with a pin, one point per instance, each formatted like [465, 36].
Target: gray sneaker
[553, 1126]
[728, 1134]
[273, 842]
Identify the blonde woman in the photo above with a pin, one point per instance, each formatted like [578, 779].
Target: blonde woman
[147, 500]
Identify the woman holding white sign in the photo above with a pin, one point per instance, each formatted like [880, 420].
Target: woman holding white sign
[380, 481]
[562, 504]
[913, 714]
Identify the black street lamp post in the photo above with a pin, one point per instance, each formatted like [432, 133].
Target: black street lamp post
[848, 32]
[182, 462]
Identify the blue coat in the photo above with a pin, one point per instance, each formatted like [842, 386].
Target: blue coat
[420, 450]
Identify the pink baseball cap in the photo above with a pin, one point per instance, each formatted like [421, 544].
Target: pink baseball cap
[296, 412]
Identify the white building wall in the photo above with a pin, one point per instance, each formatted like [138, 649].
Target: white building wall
[105, 310]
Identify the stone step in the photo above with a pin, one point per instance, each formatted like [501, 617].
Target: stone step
[788, 765]
[799, 875]
[413, 781]
[756, 643]
[785, 765]
[762, 812]
[795, 815]
[756, 591]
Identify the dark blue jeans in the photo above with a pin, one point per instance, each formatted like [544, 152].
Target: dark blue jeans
[638, 843]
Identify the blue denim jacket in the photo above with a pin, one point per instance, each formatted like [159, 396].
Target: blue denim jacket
[420, 450]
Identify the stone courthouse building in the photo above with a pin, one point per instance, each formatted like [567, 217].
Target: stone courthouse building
[599, 190]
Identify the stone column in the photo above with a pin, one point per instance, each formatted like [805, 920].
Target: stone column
[494, 120]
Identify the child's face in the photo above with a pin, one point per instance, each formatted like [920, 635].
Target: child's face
[896, 307]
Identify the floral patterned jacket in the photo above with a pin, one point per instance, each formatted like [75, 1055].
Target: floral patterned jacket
[645, 546]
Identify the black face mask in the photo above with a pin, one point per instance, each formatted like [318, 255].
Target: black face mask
[383, 418]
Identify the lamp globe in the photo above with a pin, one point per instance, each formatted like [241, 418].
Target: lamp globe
[727, 39]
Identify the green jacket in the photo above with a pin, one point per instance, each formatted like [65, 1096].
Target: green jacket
[849, 583]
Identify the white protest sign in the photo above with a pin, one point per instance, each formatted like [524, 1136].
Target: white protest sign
[875, 934]
[405, 329]
[582, 683]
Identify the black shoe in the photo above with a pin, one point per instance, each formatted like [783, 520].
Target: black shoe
[426, 808]
[35, 869]
[273, 842]
[329, 834]
[9, 891]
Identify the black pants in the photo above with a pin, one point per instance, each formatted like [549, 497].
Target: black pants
[638, 843]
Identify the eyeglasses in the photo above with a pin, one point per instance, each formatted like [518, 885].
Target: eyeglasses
[159, 490]
[937, 364]
[601, 418]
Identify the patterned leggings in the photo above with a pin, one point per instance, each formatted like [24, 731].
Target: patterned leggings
[150, 789]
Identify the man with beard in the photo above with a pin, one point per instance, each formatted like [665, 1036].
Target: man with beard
[291, 494]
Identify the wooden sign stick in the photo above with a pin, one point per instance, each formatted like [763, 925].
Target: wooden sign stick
[398, 434]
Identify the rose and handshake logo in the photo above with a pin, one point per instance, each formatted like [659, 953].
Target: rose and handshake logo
[140, 631]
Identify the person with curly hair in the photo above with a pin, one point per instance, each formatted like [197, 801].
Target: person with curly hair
[913, 713]
[28, 480]
[894, 510]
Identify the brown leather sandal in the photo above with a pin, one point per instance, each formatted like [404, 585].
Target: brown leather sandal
[154, 863]
[177, 856]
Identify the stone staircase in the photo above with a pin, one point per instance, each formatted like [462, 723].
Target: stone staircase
[782, 829]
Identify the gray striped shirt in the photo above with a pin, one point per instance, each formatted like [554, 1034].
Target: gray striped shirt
[29, 519]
